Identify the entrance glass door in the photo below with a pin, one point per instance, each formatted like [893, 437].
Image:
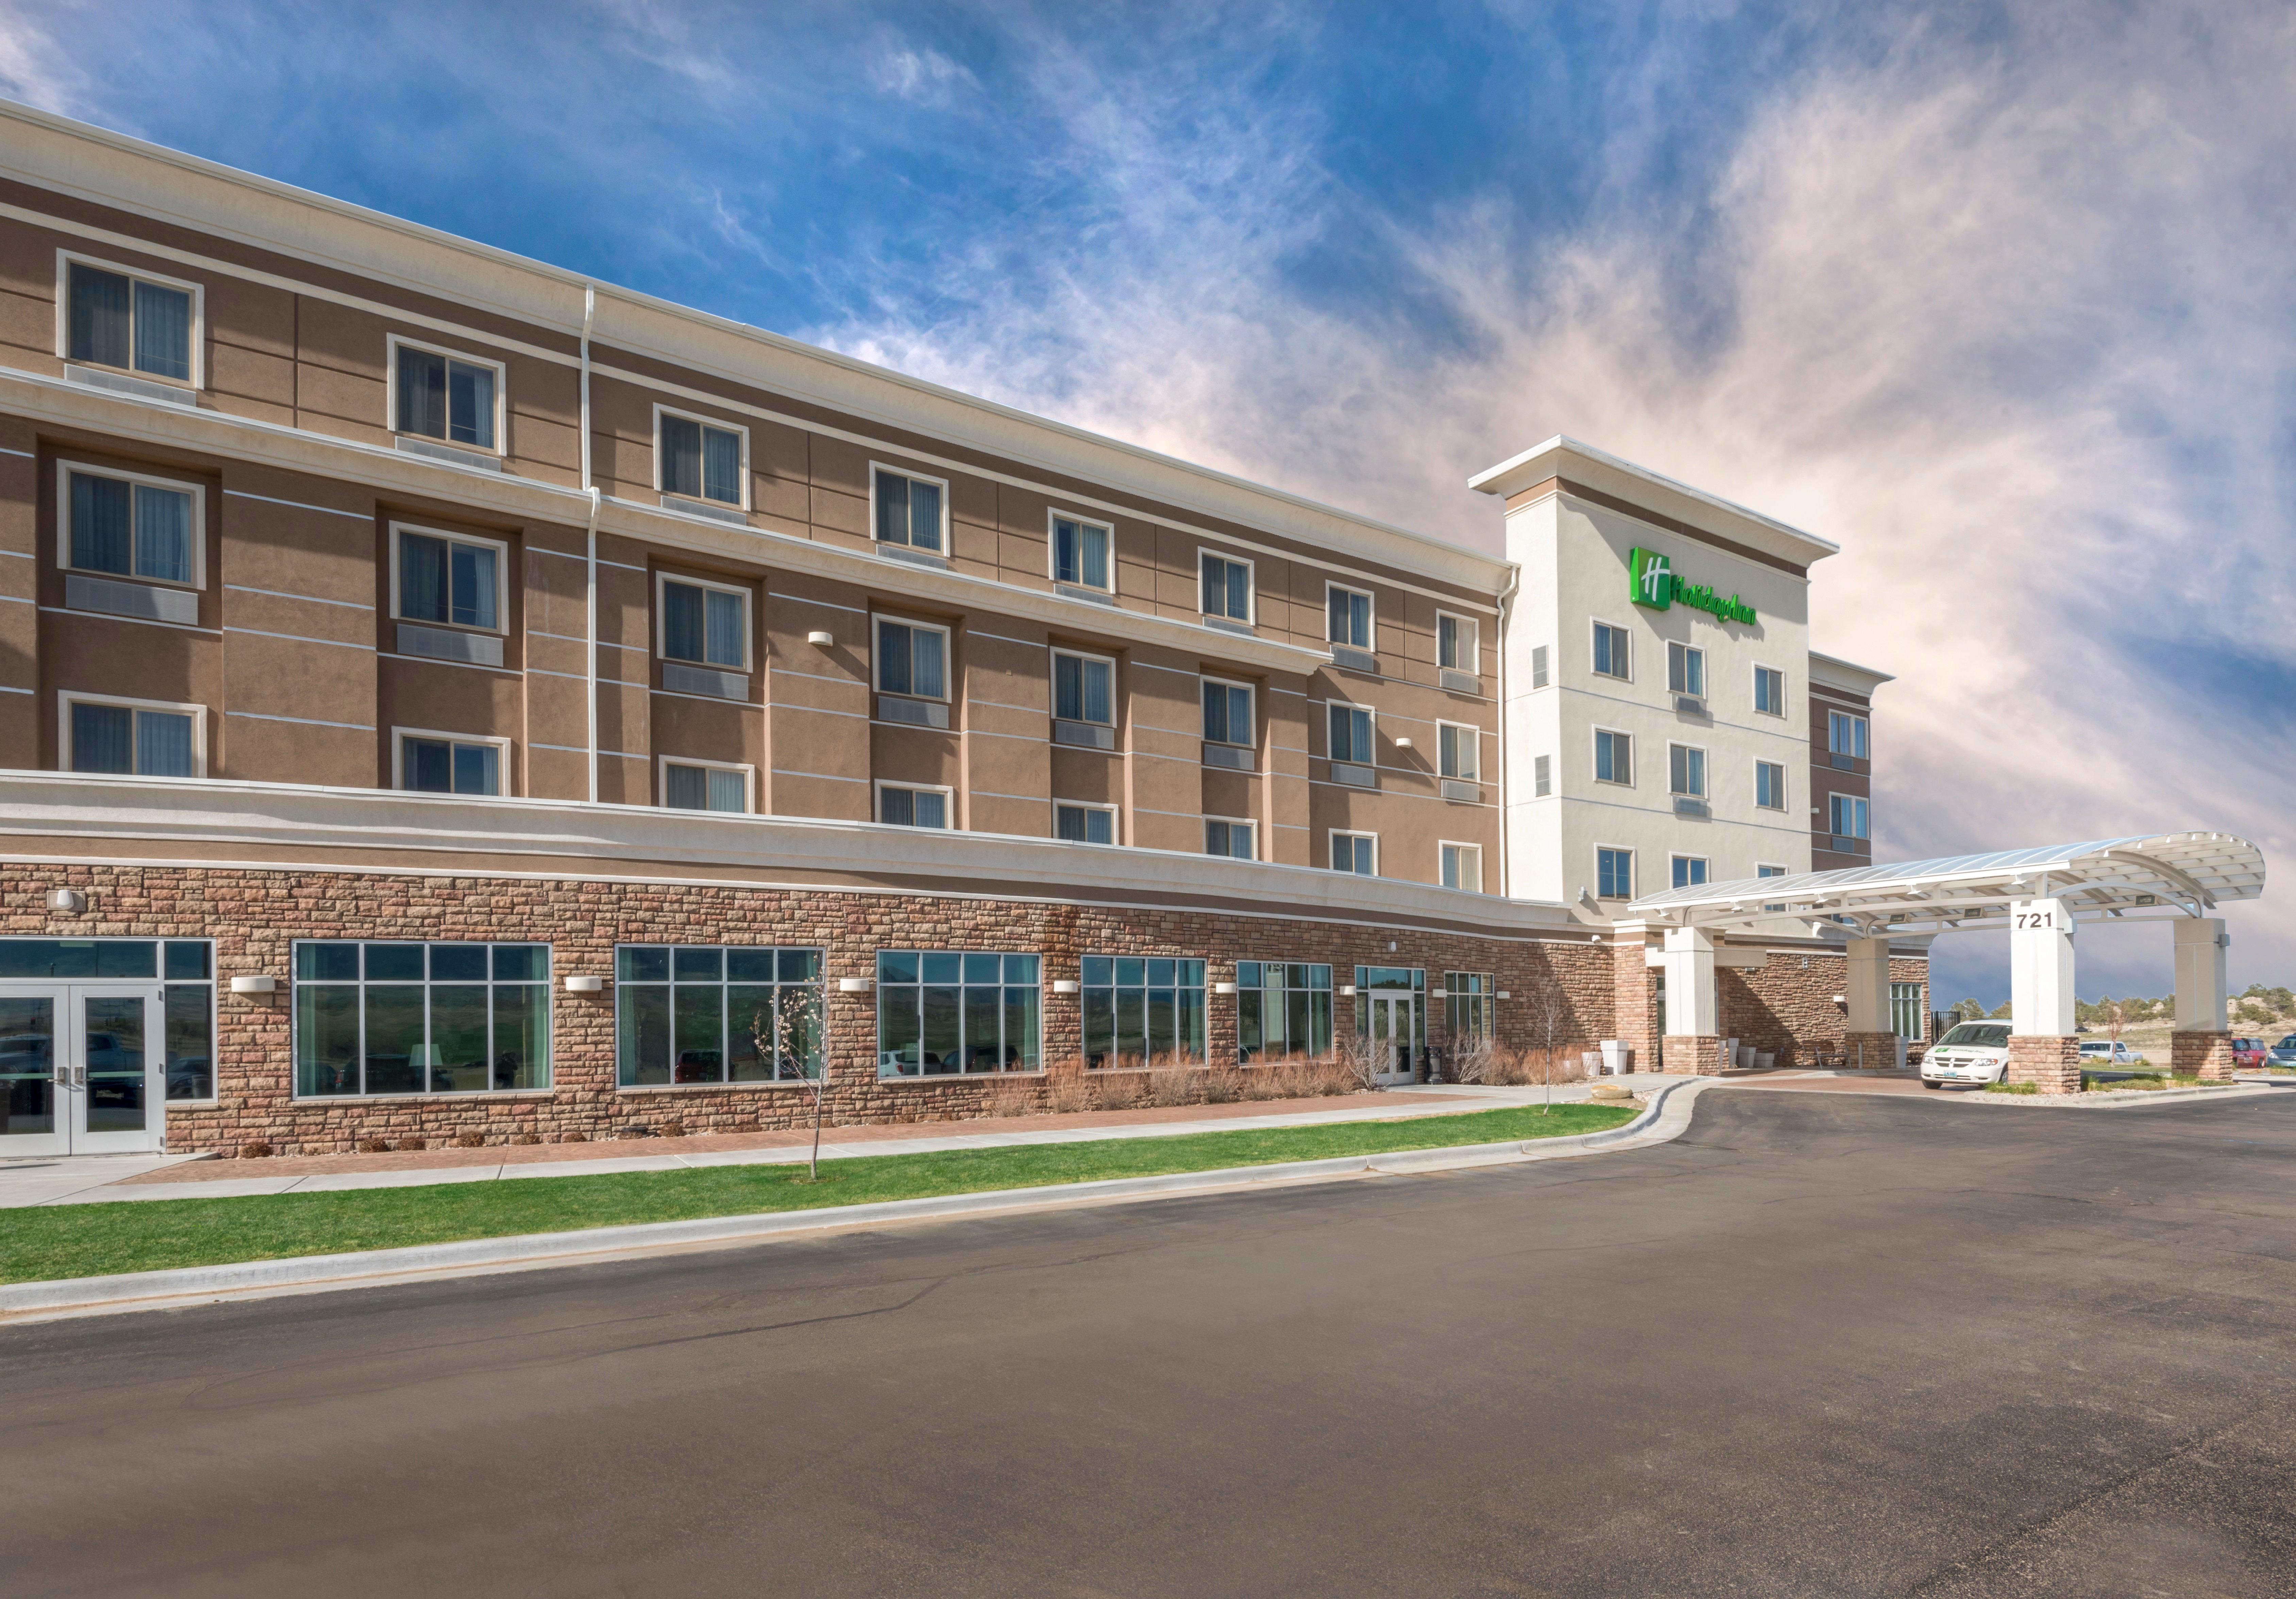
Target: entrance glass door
[37, 1121]
[83, 1068]
[1391, 1036]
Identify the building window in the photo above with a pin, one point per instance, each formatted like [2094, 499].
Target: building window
[1468, 1013]
[1685, 770]
[1906, 1011]
[439, 763]
[1084, 688]
[1282, 1009]
[1769, 690]
[1538, 666]
[1227, 713]
[1760, 871]
[1845, 734]
[1455, 644]
[941, 1010]
[1610, 659]
[902, 807]
[129, 525]
[1614, 873]
[1463, 867]
[1614, 757]
[129, 321]
[1456, 748]
[1356, 852]
[135, 737]
[1350, 727]
[449, 580]
[912, 659]
[1084, 824]
[1848, 816]
[448, 398]
[1542, 777]
[1226, 585]
[704, 1013]
[1769, 785]
[1347, 617]
[27, 1063]
[373, 1019]
[700, 459]
[1230, 838]
[705, 623]
[1080, 554]
[702, 786]
[1689, 872]
[909, 511]
[1140, 1011]
[1685, 670]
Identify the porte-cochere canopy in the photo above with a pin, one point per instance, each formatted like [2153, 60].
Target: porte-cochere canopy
[2170, 874]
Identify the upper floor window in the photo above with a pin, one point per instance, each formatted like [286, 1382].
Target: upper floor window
[1463, 867]
[912, 658]
[909, 511]
[138, 737]
[1848, 815]
[1769, 785]
[1227, 713]
[1080, 554]
[1769, 690]
[705, 785]
[451, 579]
[132, 525]
[1084, 688]
[1356, 853]
[700, 459]
[1226, 587]
[451, 398]
[900, 806]
[1351, 734]
[1346, 616]
[1689, 871]
[1455, 644]
[443, 763]
[1614, 757]
[1614, 873]
[1685, 670]
[1610, 651]
[130, 320]
[1227, 836]
[1771, 872]
[1084, 824]
[1685, 770]
[1845, 734]
[705, 623]
[1456, 748]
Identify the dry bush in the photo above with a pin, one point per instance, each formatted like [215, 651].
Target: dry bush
[1475, 1061]
[1223, 1085]
[1170, 1083]
[1359, 1062]
[1333, 1078]
[671, 1130]
[1066, 1091]
[577, 1137]
[1261, 1082]
[408, 1146]
[1010, 1097]
[526, 1138]
[374, 1146]
[470, 1141]
[1115, 1090]
[254, 1152]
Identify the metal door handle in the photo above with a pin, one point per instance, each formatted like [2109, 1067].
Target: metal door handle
[79, 1077]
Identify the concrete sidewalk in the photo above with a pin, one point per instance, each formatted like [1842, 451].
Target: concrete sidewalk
[85, 1179]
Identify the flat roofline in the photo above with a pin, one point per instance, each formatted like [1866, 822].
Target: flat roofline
[145, 150]
[1544, 461]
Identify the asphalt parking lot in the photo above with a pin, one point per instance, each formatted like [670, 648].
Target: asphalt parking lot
[1820, 1345]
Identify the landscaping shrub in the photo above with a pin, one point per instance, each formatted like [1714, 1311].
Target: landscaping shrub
[374, 1146]
[256, 1151]
[470, 1141]
[408, 1146]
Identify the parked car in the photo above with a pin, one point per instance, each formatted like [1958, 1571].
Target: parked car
[1973, 1052]
[2283, 1054]
[2101, 1052]
[2247, 1053]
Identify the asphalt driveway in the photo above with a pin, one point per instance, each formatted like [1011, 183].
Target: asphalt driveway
[1820, 1345]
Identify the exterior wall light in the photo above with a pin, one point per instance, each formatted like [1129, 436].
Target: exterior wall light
[1502, 994]
[254, 985]
[1439, 993]
[855, 985]
[1347, 991]
[585, 985]
[71, 902]
[1403, 743]
[1840, 999]
[1064, 985]
[1223, 987]
[820, 640]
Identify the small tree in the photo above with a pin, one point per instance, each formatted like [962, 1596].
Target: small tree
[1550, 1016]
[772, 1033]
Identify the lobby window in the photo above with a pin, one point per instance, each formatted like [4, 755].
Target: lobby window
[1347, 617]
[1685, 767]
[1084, 688]
[135, 737]
[125, 525]
[941, 1012]
[909, 511]
[1140, 1011]
[899, 805]
[1084, 824]
[130, 320]
[186, 966]
[1760, 871]
[1468, 1013]
[1845, 734]
[439, 763]
[700, 459]
[1769, 690]
[706, 1014]
[1614, 873]
[450, 580]
[705, 623]
[1283, 1010]
[1906, 1011]
[1769, 785]
[703, 786]
[451, 398]
[1230, 838]
[1455, 645]
[1356, 852]
[1689, 872]
[1542, 777]
[1685, 670]
[1462, 866]
[1080, 554]
[1351, 734]
[1456, 748]
[1610, 651]
[1614, 757]
[912, 659]
[1226, 585]
[1848, 815]
[380, 1018]
[1227, 713]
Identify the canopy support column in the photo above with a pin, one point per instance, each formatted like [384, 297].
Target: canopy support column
[2042, 1047]
[2201, 1046]
[1867, 1040]
[1693, 1043]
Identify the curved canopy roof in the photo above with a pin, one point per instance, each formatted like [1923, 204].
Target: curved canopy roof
[2186, 874]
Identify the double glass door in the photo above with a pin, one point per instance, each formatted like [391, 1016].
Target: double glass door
[1391, 1035]
[82, 1069]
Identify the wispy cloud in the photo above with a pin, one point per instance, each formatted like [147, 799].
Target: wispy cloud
[32, 68]
[920, 74]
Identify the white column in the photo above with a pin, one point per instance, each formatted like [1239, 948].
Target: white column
[2041, 968]
[2201, 943]
[1689, 962]
[1867, 990]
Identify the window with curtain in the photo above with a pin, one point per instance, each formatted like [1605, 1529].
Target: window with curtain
[1845, 734]
[1282, 1009]
[1463, 867]
[705, 624]
[1084, 824]
[687, 787]
[699, 461]
[691, 1014]
[132, 530]
[1080, 554]
[908, 512]
[1233, 840]
[376, 1018]
[1348, 617]
[1614, 873]
[1769, 690]
[1227, 713]
[941, 1012]
[1610, 651]
[1614, 757]
[446, 766]
[1140, 1011]
[1226, 587]
[1689, 871]
[1355, 852]
[1685, 770]
[1848, 815]
[1084, 688]
[912, 659]
[901, 807]
[133, 740]
[1457, 749]
[1454, 644]
[1685, 670]
[1351, 734]
[454, 582]
[116, 319]
[1769, 785]
[443, 398]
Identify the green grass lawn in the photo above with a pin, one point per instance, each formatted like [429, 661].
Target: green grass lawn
[89, 1240]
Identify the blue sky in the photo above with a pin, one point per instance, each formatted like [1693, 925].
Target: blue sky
[1996, 297]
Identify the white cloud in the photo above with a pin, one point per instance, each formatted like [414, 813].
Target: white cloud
[924, 77]
[32, 70]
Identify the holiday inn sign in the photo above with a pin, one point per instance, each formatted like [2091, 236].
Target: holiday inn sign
[1655, 585]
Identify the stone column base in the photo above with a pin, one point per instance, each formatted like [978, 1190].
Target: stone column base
[2204, 1055]
[1692, 1055]
[1870, 1051]
[2052, 1062]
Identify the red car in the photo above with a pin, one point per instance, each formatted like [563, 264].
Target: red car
[2247, 1054]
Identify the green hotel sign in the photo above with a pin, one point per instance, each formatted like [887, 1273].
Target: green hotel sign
[1655, 585]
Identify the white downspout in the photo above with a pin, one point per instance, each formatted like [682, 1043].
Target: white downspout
[1506, 816]
[590, 566]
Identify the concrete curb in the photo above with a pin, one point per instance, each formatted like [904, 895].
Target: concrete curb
[2108, 1100]
[1662, 1118]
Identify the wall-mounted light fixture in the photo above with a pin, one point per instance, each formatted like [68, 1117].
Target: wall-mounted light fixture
[1839, 999]
[820, 639]
[585, 985]
[1347, 991]
[1403, 743]
[254, 985]
[855, 985]
[1064, 985]
[69, 902]
[1502, 994]
[1223, 987]
[1439, 993]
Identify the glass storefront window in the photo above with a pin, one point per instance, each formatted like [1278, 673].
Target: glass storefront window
[716, 1013]
[186, 965]
[1140, 1011]
[1282, 1009]
[1468, 1010]
[957, 1011]
[405, 1017]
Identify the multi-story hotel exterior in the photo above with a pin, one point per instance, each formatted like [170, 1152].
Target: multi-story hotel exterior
[442, 694]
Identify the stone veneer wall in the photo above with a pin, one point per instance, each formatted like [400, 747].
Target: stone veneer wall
[1786, 1006]
[2207, 1056]
[2047, 1059]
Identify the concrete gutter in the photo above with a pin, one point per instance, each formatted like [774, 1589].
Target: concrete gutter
[1663, 1118]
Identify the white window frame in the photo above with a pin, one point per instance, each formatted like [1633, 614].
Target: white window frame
[1704, 860]
[1779, 767]
[947, 513]
[1246, 821]
[1774, 869]
[68, 698]
[661, 456]
[1687, 651]
[1442, 845]
[502, 580]
[198, 491]
[662, 764]
[1051, 685]
[661, 582]
[500, 446]
[1251, 689]
[65, 258]
[399, 735]
[947, 660]
[1115, 821]
[1469, 629]
[1595, 758]
[1855, 801]
[1053, 514]
[1333, 834]
[1252, 587]
[1706, 790]
[1371, 711]
[1628, 674]
[1633, 870]
[877, 799]
[1474, 738]
[1851, 716]
[1370, 645]
[1754, 689]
